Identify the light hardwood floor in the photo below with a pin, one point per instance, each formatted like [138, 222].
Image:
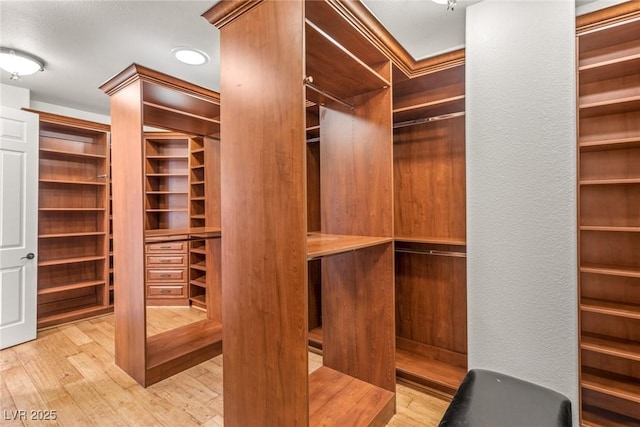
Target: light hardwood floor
[70, 370]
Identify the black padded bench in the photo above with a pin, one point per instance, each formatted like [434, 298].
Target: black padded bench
[491, 399]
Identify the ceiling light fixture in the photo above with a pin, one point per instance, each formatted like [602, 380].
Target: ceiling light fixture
[190, 56]
[451, 4]
[19, 63]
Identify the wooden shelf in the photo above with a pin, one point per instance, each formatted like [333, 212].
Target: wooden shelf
[315, 337]
[432, 240]
[319, 245]
[614, 106]
[610, 270]
[167, 210]
[610, 144]
[168, 192]
[178, 120]
[79, 234]
[610, 181]
[197, 167]
[71, 315]
[201, 266]
[49, 152]
[199, 301]
[611, 68]
[628, 311]
[198, 251]
[596, 417]
[72, 209]
[605, 345]
[71, 260]
[341, 400]
[71, 286]
[432, 373]
[327, 59]
[184, 157]
[160, 235]
[610, 228]
[184, 174]
[70, 182]
[176, 343]
[438, 107]
[626, 390]
[200, 282]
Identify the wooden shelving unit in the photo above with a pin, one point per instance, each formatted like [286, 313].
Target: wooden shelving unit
[271, 262]
[167, 207]
[73, 220]
[430, 228]
[151, 214]
[609, 221]
[204, 211]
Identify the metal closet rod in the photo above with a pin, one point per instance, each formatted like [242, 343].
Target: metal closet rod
[428, 119]
[308, 82]
[432, 252]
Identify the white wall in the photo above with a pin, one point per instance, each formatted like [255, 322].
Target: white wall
[521, 191]
[14, 97]
[70, 112]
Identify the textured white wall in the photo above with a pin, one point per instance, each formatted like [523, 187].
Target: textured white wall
[521, 191]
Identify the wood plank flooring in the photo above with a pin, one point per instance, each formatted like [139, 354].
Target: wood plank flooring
[70, 371]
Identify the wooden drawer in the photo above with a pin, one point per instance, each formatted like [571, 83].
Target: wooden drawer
[167, 247]
[175, 260]
[167, 291]
[167, 275]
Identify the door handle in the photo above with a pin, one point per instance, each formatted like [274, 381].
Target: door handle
[30, 255]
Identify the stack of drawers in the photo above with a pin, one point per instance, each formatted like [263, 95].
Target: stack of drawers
[167, 273]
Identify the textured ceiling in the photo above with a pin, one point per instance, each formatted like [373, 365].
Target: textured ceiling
[84, 43]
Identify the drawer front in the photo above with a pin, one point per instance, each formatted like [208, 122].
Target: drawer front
[167, 275]
[169, 247]
[166, 291]
[175, 260]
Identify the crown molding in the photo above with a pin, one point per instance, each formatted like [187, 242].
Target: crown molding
[227, 11]
[608, 16]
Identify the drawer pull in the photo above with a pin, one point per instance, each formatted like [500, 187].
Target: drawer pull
[165, 261]
[165, 247]
[165, 275]
[165, 291]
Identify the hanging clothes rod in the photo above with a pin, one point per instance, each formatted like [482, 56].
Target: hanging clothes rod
[432, 252]
[308, 81]
[428, 119]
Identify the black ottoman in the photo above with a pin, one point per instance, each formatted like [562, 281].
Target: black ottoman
[490, 399]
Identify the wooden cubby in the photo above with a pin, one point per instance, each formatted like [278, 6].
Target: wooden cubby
[276, 245]
[430, 228]
[609, 220]
[73, 220]
[151, 213]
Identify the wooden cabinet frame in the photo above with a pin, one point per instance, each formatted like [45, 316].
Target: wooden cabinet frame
[140, 97]
[267, 240]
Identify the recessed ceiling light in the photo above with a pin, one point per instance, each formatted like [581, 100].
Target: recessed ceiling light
[19, 63]
[190, 56]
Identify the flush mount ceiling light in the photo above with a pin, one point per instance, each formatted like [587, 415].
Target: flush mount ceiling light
[19, 63]
[190, 56]
[450, 3]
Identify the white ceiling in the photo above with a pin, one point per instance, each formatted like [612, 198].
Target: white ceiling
[84, 43]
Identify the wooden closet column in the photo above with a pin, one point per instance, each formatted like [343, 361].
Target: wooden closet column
[269, 238]
[151, 210]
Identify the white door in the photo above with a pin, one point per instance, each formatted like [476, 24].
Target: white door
[18, 226]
